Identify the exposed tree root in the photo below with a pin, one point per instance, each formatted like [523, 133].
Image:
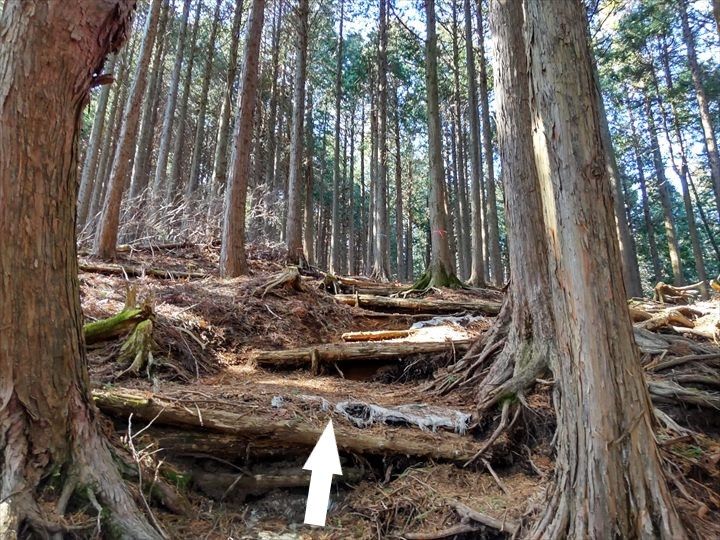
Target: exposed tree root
[87, 471]
[435, 278]
[137, 349]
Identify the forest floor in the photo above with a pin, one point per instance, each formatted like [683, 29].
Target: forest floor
[231, 430]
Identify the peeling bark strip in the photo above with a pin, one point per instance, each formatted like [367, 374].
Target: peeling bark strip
[47, 420]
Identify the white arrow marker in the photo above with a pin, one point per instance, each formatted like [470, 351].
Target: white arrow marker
[324, 462]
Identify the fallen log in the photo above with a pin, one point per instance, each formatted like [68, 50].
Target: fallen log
[343, 352]
[292, 432]
[418, 305]
[119, 324]
[221, 485]
[138, 271]
[377, 335]
[359, 285]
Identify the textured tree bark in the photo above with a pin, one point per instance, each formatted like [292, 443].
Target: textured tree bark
[335, 224]
[106, 237]
[90, 167]
[169, 113]
[381, 256]
[524, 330]
[233, 261]
[664, 190]
[711, 145]
[440, 272]
[293, 230]
[172, 189]
[609, 481]
[716, 13]
[491, 214]
[47, 420]
[477, 263]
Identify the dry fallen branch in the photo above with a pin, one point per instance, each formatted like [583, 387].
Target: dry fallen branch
[377, 335]
[468, 513]
[138, 271]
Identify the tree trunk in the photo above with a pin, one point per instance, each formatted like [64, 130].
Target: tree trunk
[370, 246]
[363, 195]
[48, 424]
[293, 230]
[631, 270]
[90, 167]
[309, 231]
[381, 260]
[711, 146]
[440, 272]
[335, 235]
[491, 216]
[273, 127]
[199, 141]
[143, 148]
[111, 133]
[106, 237]
[220, 163]
[463, 229]
[399, 242]
[352, 244]
[233, 261]
[477, 266]
[682, 171]
[409, 234]
[173, 188]
[665, 200]
[524, 329]
[609, 481]
[457, 213]
[169, 113]
[649, 226]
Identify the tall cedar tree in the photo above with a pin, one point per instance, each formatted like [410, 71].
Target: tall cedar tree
[106, 237]
[609, 481]
[233, 261]
[293, 231]
[48, 422]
